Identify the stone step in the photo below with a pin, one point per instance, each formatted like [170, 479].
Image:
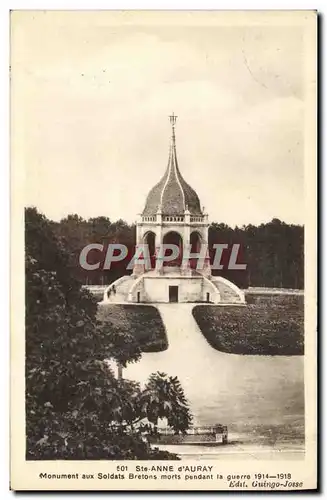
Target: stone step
[122, 289]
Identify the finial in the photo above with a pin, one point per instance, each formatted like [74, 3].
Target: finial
[173, 119]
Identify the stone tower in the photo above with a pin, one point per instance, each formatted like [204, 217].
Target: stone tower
[173, 214]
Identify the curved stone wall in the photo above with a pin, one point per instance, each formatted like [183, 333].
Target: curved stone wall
[229, 292]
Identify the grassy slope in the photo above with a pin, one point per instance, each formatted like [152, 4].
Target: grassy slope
[144, 322]
[268, 325]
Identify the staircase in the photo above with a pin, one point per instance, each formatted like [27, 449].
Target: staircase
[122, 286]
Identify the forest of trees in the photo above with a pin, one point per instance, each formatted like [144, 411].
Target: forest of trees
[273, 252]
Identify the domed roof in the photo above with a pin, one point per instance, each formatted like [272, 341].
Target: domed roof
[172, 194]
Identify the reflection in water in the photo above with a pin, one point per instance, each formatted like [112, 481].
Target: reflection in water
[259, 395]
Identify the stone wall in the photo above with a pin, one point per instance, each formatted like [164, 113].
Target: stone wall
[229, 292]
[190, 289]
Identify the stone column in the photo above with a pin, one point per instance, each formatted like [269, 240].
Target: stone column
[186, 269]
[187, 227]
[158, 232]
[206, 271]
[205, 231]
[207, 268]
[138, 268]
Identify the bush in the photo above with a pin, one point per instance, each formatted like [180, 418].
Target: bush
[144, 323]
[264, 328]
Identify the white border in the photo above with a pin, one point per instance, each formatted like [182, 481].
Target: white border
[5, 6]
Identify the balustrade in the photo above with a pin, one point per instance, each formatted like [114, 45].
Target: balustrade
[173, 218]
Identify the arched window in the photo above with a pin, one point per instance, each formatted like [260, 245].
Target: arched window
[195, 242]
[174, 238]
[150, 240]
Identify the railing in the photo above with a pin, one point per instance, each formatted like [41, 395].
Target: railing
[94, 288]
[173, 218]
[196, 431]
[149, 218]
[197, 219]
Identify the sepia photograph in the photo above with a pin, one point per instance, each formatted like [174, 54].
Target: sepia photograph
[163, 199]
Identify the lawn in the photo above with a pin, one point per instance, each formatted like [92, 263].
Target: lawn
[268, 325]
[144, 322]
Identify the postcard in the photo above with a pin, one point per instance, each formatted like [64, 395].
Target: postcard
[163, 250]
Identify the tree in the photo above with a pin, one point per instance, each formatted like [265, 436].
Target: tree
[164, 398]
[75, 407]
[123, 346]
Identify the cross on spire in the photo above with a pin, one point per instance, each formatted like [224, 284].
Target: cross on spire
[173, 119]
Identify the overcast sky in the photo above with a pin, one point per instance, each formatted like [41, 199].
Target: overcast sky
[94, 98]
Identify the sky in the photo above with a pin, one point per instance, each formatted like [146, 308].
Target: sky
[92, 93]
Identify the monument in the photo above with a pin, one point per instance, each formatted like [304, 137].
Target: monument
[173, 216]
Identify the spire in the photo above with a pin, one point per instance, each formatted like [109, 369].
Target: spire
[173, 119]
[173, 177]
[172, 160]
[172, 193]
